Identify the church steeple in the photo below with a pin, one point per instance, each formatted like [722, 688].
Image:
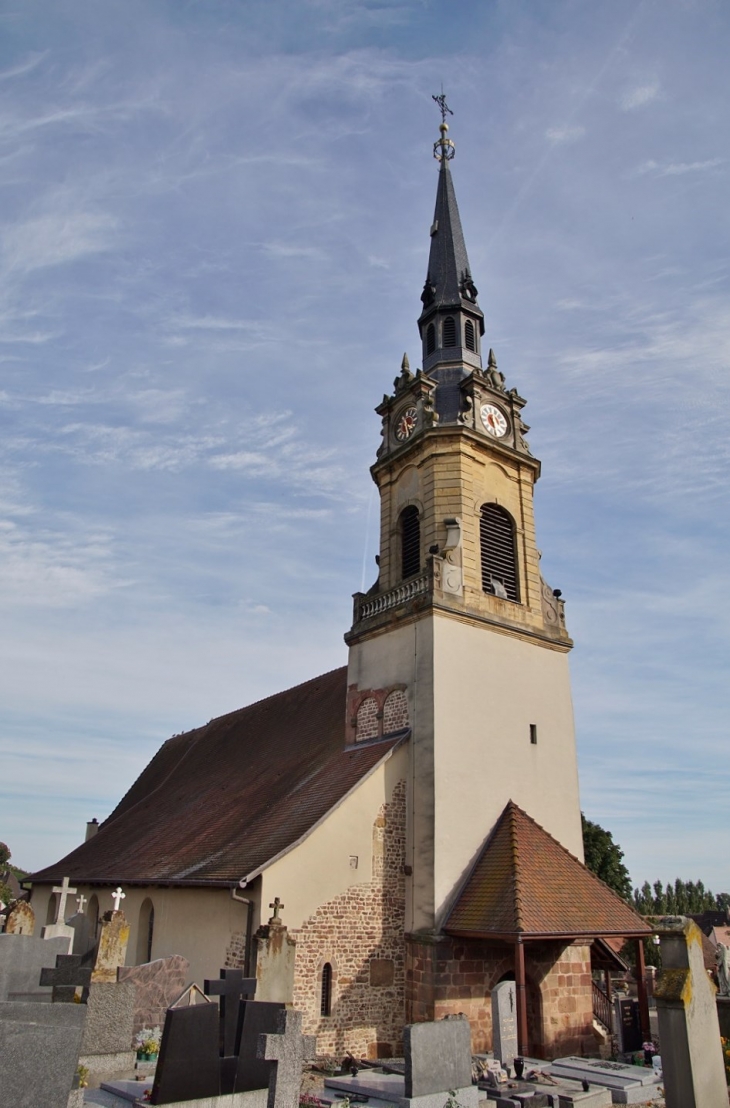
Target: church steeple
[451, 323]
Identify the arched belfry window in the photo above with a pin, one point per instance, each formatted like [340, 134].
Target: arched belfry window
[410, 541]
[325, 1003]
[430, 338]
[469, 342]
[499, 554]
[449, 331]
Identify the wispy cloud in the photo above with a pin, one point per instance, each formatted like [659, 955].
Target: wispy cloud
[677, 169]
[55, 239]
[640, 95]
[563, 136]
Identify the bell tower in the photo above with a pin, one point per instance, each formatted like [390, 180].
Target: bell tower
[460, 623]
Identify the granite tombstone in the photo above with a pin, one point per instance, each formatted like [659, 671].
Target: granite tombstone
[504, 1022]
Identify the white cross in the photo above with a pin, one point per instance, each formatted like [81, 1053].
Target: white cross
[117, 897]
[80, 902]
[64, 892]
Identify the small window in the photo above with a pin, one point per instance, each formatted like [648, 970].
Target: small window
[533, 734]
[469, 335]
[93, 913]
[499, 561]
[410, 536]
[449, 331]
[325, 1005]
[146, 932]
[430, 338]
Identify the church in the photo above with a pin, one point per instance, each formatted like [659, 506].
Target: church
[411, 819]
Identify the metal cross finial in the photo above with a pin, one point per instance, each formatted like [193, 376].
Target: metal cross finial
[117, 897]
[276, 906]
[64, 891]
[444, 107]
[80, 902]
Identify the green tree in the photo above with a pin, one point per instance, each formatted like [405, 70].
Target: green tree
[604, 857]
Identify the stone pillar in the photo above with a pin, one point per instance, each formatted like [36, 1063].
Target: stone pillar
[275, 953]
[692, 1062]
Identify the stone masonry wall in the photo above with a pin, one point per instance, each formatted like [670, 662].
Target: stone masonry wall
[360, 933]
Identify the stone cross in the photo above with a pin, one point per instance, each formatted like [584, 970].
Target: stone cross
[288, 1050]
[277, 905]
[64, 891]
[80, 902]
[117, 896]
[68, 975]
[232, 987]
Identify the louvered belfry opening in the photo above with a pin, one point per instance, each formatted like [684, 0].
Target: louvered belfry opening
[410, 537]
[469, 335]
[430, 338]
[449, 331]
[499, 561]
[325, 1004]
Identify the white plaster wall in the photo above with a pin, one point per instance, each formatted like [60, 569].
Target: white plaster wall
[488, 688]
[319, 869]
[194, 922]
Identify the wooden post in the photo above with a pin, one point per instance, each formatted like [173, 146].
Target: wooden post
[521, 997]
[641, 990]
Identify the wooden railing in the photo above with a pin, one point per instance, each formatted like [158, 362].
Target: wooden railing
[602, 1007]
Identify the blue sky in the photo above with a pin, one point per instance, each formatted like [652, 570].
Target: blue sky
[213, 239]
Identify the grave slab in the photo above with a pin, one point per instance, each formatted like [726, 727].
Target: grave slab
[39, 1053]
[504, 1022]
[438, 1057]
[615, 1075]
[133, 1091]
[389, 1088]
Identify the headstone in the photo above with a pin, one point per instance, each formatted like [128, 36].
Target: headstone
[20, 919]
[504, 1022]
[689, 1032]
[189, 1061]
[257, 1017]
[69, 974]
[22, 957]
[107, 1042]
[157, 985]
[627, 1021]
[275, 955]
[288, 1049]
[39, 1053]
[112, 949]
[231, 987]
[83, 939]
[438, 1057]
[59, 929]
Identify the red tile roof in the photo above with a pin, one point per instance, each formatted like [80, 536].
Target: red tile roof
[524, 882]
[218, 803]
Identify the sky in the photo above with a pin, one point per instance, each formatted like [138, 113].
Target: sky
[214, 228]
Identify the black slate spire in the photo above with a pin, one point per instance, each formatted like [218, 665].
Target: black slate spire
[451, 323]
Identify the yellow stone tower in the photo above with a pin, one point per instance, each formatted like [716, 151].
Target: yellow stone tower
[460, 623]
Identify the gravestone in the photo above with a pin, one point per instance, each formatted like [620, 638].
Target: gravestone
[20, 919]
[287, 1049]
[22, 957]
[111, 952]
[692, 1061]
[257, 1017]
[189, 1061]
[70, 973]
[39, 1053]
[106, 1046]
[438, 1057]
[84, 939]
[158, 984]
[504, 1022]
[628, 1024]
[231, 987]
[59, 929]
[275, 955]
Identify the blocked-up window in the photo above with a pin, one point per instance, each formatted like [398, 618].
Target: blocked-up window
[395, 712]
[367, 720]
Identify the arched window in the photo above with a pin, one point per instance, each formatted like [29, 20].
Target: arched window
[325, 1003]
[430, 338]
[52, 909]
[499, 561]
[145, 932]
[449, 331]
[469, 335]
[410, 538]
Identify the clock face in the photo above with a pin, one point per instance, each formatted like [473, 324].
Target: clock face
[494, 422]
[406, 424]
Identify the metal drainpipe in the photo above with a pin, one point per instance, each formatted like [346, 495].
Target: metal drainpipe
[249, 919]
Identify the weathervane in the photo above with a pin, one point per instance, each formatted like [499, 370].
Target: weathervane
[444, 149]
